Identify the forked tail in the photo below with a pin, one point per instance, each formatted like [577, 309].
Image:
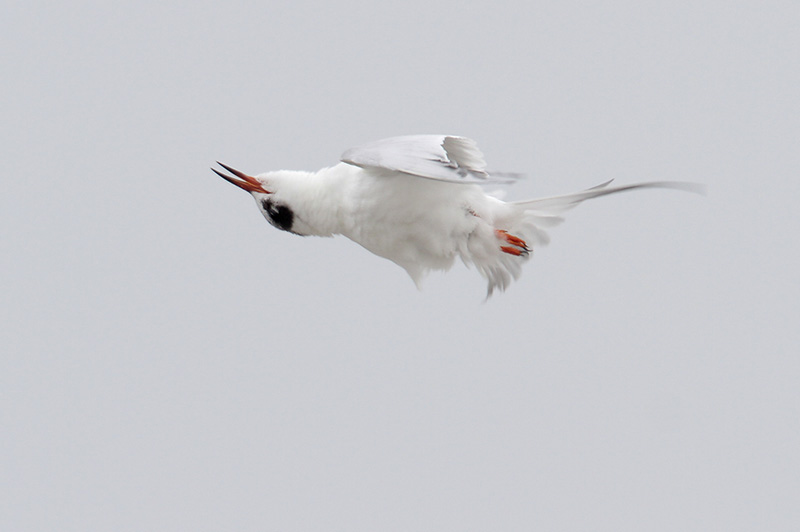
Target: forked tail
[532, 218]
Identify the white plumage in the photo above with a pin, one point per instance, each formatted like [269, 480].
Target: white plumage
[417, 201]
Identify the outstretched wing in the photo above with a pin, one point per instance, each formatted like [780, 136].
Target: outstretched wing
[441, 157]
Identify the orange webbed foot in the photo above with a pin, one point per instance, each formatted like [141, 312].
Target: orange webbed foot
[518, 246]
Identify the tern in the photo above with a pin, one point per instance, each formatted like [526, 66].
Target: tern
[418, 201]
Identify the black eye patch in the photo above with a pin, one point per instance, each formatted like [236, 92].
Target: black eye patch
[282, 216]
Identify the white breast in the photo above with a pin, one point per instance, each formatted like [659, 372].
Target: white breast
[419, 224]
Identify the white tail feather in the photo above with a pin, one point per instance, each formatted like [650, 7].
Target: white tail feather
[529, 220]
[557, 204]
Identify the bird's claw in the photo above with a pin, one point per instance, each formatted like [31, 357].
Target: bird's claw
[518, 246]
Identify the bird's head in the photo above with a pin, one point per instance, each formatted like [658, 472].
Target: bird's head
[274, 210]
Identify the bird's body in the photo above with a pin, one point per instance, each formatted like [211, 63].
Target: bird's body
[420, 224]
[416, 201]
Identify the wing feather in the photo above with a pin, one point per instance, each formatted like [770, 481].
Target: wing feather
[440, 157]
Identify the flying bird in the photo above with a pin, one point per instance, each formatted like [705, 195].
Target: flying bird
[418, 201]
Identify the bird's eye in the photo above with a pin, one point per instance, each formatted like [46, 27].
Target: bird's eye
[281, 216]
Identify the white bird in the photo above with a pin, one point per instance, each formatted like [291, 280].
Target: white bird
[417, 201]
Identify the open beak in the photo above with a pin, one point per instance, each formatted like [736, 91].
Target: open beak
[245, 182]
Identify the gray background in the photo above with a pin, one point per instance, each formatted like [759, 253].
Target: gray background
[171, 362]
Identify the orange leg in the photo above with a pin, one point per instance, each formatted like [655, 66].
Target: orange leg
[513, 251]
[518, 246]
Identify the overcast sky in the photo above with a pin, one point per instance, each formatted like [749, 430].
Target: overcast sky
[171, 362]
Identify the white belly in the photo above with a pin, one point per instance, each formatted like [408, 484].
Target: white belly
[413, 221]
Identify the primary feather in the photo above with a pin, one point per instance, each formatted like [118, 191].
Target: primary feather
[441, 157]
